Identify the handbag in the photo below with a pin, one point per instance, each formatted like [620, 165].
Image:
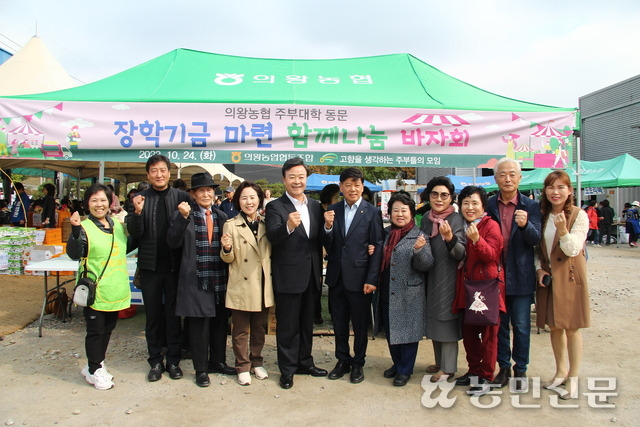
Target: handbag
[84, 293]
[482, 301]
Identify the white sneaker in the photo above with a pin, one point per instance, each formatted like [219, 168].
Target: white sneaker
[85, 371]
[244, 378]
[103, 366]
[99, 379]
[261, 373]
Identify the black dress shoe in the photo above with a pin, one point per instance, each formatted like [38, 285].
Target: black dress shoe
[392, 372]
[221, 368]
[314, 371]
[464, 380]
[175, 373]
[357, 376]
[401, 380]
[502, 379]
[202, 379]
[286, 381]
[340, 369]
[155, 373]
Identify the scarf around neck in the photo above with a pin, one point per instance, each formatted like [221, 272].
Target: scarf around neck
[438, 218]
[395, 236]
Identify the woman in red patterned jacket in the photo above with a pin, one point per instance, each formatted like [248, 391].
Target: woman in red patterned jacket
[483, 261]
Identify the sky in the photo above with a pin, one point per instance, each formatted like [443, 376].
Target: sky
[546, 52]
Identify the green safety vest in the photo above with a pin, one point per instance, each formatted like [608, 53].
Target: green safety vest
[113, 292]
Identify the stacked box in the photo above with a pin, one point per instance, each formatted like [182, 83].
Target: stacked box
[53, 236]
[13, 247]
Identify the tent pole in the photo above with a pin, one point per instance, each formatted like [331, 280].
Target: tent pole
[617, 226]
[578, 174]
[101, 172]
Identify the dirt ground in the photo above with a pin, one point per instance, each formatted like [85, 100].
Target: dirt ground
[40, 381]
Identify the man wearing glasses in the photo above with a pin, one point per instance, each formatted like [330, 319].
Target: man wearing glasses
[519, 218]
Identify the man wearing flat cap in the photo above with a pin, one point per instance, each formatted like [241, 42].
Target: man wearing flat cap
[227, 204]
[202, 281]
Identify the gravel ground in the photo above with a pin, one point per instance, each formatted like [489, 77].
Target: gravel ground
[40, 381]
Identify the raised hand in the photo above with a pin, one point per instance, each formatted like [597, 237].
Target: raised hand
[472, 233]
[226, 241]
[185, 209]
[328, 219]
[445, 231]
[138, 204]
[75, 218]
[294, 220]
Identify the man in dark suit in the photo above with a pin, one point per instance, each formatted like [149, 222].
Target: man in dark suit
[294, 223]
[520, 220]
[351, 226]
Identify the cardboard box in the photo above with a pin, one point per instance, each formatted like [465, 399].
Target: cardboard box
[53, 236]
[41, 253]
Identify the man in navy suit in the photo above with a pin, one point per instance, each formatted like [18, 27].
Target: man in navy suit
[294, 224]
[520, 219]
[351, 226]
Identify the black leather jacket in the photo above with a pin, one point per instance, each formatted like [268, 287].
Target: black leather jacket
[142, 228]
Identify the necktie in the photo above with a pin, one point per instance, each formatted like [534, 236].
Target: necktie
[209, 225]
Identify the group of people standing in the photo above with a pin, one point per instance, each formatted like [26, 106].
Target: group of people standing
[195, 263]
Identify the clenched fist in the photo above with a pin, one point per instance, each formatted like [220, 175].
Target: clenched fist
[226, 241]
[75, 218]
[294, 220]
[185, 209]
[420, 242]
[329, 216]
[138, 204]
[521, 218]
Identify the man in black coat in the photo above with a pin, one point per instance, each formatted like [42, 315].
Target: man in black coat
[606, 220]
[352, 226]
[294, 223]
[147, 223]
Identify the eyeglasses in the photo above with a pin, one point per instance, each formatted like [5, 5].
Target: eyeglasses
[443, 196]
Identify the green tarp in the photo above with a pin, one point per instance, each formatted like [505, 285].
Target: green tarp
[621, 171]
[184, 75]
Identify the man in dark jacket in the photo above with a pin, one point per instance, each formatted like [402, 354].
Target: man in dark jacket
[606, 220]
[202, 281]
[294, 223]
[352, 274]
[520, 219]
[158, 265]
[227, 204]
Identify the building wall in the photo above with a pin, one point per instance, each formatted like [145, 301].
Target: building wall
[611, 121]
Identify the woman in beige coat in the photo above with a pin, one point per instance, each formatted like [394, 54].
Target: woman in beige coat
[249, 291]
[562, 298]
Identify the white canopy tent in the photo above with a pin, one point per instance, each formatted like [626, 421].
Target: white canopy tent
[33, 69]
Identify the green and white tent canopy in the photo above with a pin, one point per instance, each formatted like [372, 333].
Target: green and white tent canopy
[392, 110]
[621, 171]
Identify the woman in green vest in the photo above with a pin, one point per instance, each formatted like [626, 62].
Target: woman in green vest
[100, 244]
